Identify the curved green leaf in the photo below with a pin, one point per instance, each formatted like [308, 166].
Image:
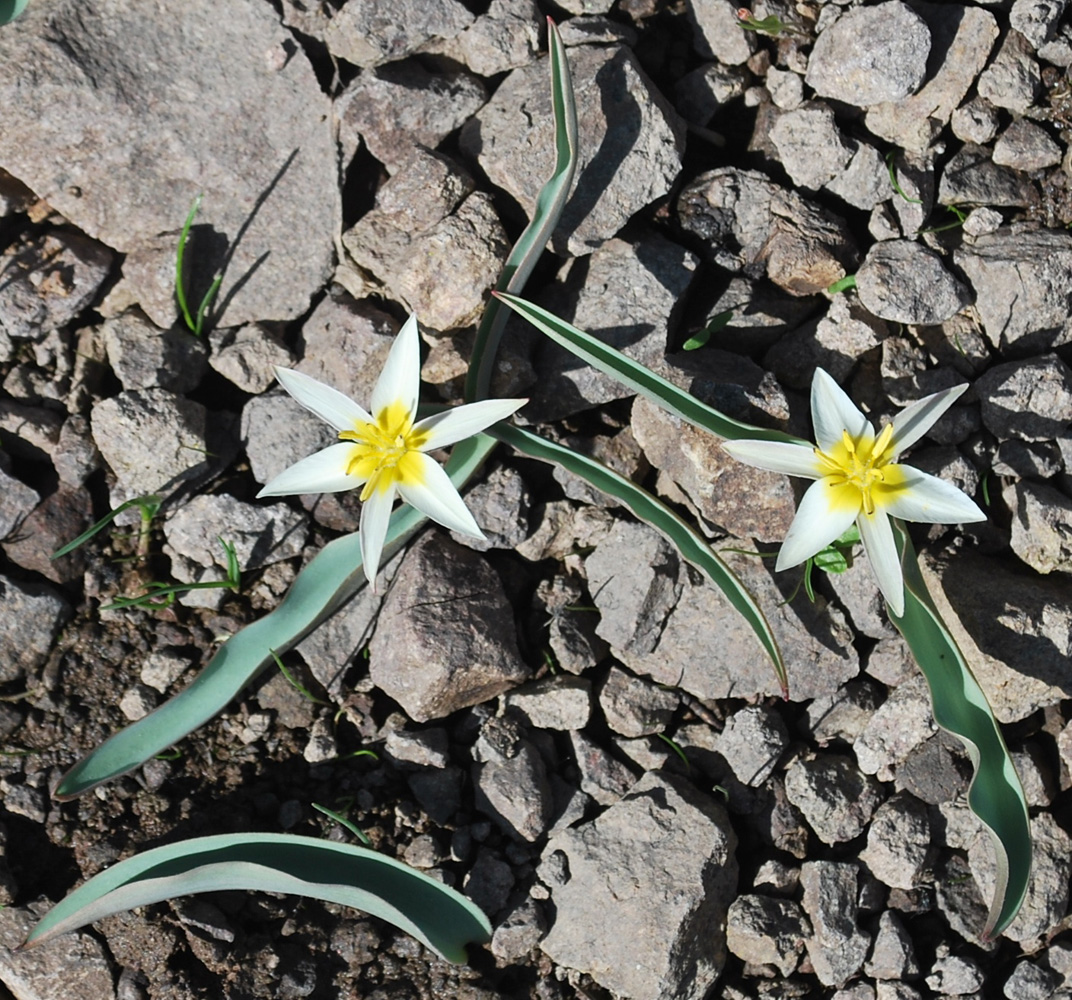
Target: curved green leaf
[333, 577]
[549, 204]
[960, 706]
[640, 379]
[650, 510]
[433, 913]
[10, 9]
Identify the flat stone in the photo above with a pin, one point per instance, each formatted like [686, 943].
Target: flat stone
[248, 355]
[897, 841]
[633, 706]
[955, 975]
[143, 356]
[619, 170]
[972, 178]
[893, 955]
[445, 638]
[500, 504]
[58, 519]
[1041, 526]
[1030, 400]
[1012, 80]
[627, 862]
[891, 66]
[1026, 146]
[900, 724]
[906, 282]
[555, 702]
[717, 33]
[278, 431]
[515, 791]
[34, 614]
[269, 212]
[810, 145]
[603, 776]
[837, 947]
[377, 31]
[764, 930]
[505, 37]
[16, 501]
[836, 798]
[845, 714]
[752, 741]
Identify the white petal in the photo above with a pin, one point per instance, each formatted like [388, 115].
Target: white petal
[437, 498]
[464, 421]
[833, 413]
[877, 535]
[777, 456]
[914, 421]
[932, 500]
[375, 515]
[817, 524]
[400, 379]
[322, 472]
[330, 405]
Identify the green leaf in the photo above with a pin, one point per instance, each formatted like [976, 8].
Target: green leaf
[689, 543]
[10, 9]
[149, 505]
[842, 285]
[960, 707]
[549, 204]
[433, 913]
[640, 379]
[320, 589]
[831, 560]
[699, 339]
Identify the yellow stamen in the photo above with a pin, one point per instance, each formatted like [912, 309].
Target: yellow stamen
[385, 451]
[859, 471]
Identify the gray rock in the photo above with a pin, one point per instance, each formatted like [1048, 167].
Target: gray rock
[555, 702]
[73, 966]
[247, 356]
[906, 282]
[810, 145]
[519, 931]
[1031, 981]
[935, 771]
[489, 882]
[717, 34]
[1013, 629]
[1025, 277]
[857, 592]
[34, 614]
[143, 356]
[965, 36]
[900, 725]
[635, 707]
[378, 31]
[837, 947]
[16, 501]
[957, 898]
[152, 440]
[278, 431]
[865, 182]
[954, 975]
[749, 503]
[1027, 459]
[620, 169]
[396, 107]
[422, 747]
[1037, 20]
[603, 776]
[836, 798]
[891, 662]
[439, 792]
[29, 431]
[506, 37]
[752, 741]
[1026, 146]
[269, 212]
[845, 714]
[321, 744]
[761, 313]
[892, 956]
[77, 456]
[1046, 901]
[1012, 80]
[972, 178]
[981, 222]
[593, 27]
[500, 505]
[515, 791]
[752, 223]
[446, 637]
[622, 867]
[897, 842]
[162, 668]
[763, 930]
[891, 66]
[61, 516]
[1036, 777]
[620, 452]
[701, 94]
[786, 88]
[976, 121]
[1041, 526]
[1031, 400]
[49, 280]
[622, 294]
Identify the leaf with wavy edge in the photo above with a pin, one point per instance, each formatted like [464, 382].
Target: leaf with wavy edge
[640, 379]
[332, 578]
[10, 9]
[549, 204]
[433, 913]
[651, 511]
[960, 707]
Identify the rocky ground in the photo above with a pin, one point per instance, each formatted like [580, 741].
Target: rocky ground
[568, 723]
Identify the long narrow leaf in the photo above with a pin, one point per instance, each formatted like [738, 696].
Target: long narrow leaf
[433, 913]
[333, 577]
[549, 204]
[633, 374]
[650, 510]
[995, 794]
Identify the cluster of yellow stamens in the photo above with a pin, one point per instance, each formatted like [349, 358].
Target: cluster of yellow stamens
[859, 470]
[385, 451]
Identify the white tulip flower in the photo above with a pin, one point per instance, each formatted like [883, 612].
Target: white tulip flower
[858, 478]
[384, 452]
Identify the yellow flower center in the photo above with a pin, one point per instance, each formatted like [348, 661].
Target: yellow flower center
[385, 452]
[859, 472]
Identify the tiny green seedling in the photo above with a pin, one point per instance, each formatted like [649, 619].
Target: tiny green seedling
[148, 505]
[162, 595]
[893, 179]
[719, 322]
[294, 682]
[771, 25]
[676, 747]
[343, 821]
[842, 285]
[195, 323]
